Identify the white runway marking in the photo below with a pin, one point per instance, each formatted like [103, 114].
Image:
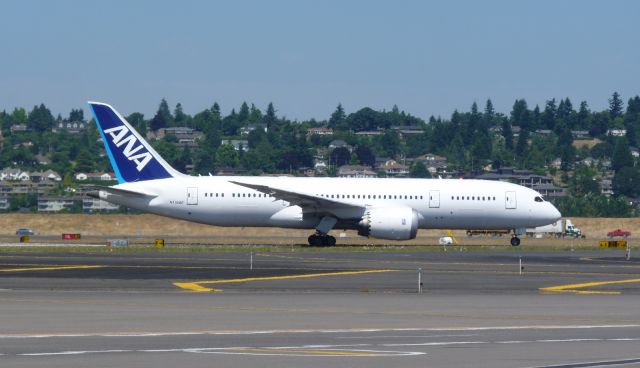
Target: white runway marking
[349, 350]
[310, 331]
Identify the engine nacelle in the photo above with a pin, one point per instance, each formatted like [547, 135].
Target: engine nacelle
[395, 223]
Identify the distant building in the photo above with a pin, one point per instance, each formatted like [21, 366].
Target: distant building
[14, 174]
[71, 127]
[90, 204]
[356, 171]
[580, 134]
[339, 143]
[238, 144]
[617, 132]
[4, 202]
[251, 127]
[320, 131]
[56, 204]
[393, 168]
[95, 176]
[18, 128]
[433, 162]
[48, 175]
[540, 183]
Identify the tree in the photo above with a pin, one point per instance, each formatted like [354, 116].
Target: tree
[243, 114]
[269, 118]
[418, 170]
[84, 162]
[226, 156]
[40, 119]
[76, 115]
[583, 181]
[621, 155]
[179, 116]
[136, 119]
[626, 182]
[163, 118]
[339, 156]
[338, 119]
[507, 133]
[615, 106]
[365, 155]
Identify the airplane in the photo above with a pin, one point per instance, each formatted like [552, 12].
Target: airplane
[384, 208]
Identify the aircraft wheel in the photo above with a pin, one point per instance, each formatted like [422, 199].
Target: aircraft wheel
[515, 241]
[331, 241]
[315, 240]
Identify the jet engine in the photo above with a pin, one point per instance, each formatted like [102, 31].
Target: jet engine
[394, 223]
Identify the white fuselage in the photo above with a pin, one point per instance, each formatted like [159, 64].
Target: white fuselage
[440, 203]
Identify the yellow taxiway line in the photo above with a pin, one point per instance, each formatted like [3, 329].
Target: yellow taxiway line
[197, 286]
[575, 288]
[52, 268]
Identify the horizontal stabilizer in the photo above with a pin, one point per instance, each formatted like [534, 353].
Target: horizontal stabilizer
[118, 191]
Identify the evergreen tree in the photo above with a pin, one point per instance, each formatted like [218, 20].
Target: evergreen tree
[626, 182]
[76, 115]
[418, 170]
[243, 114]
[615, 106]
[507, 133]
[549, 115]
[338, 119]
[621, 155]
[40, 119]
[269, 118]
[179, 116]
[163, 118]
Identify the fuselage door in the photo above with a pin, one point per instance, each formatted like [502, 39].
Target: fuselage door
[192, 195]
[434, 199]
[510, 200]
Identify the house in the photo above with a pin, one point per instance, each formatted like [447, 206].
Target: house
[635, 152]
[356, 171]
[14, 174]
[405, 130]
[526, 178]
[319, 131]
[393, 168]
[251, 127]
[432, 162]
[56, 204]
[4, 202]
[71, 127]
[606, 186]
[90, 205]
[18, 128]
[580, 134]
[48, 175]
[370, 133]
[95, 176]
[617, 132]
[340, 143]
[238, 144]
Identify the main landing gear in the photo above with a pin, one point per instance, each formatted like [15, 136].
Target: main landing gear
[515, 241]
[320, 240]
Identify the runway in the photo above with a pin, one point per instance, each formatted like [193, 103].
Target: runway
[311, 308]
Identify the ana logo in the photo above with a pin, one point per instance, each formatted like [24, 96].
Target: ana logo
[119, 137]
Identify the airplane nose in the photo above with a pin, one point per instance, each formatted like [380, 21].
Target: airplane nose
[554, 214]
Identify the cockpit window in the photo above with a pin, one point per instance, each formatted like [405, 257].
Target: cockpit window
[539, 199]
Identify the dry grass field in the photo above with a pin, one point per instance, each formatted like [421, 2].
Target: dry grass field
[147, 227]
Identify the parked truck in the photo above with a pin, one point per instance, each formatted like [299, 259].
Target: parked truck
[559, 229]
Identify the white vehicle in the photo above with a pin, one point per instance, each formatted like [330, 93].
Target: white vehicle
[382, 208]
[560, 228]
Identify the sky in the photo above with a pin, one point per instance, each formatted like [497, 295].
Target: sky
[427, 57]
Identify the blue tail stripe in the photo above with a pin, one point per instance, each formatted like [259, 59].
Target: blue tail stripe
[131, 157]
[107, 148]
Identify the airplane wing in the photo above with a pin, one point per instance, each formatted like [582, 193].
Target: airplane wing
[118, 191]
[299, 199]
